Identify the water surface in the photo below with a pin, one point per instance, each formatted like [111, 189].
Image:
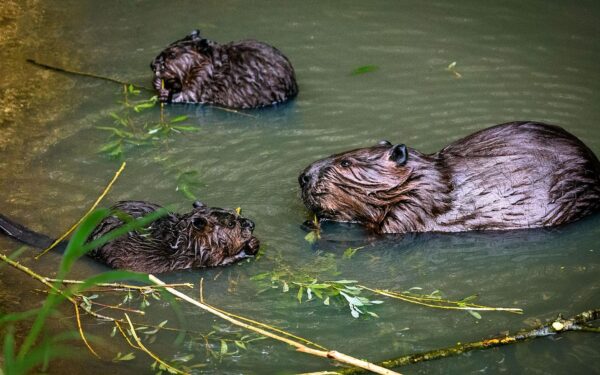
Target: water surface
[536, 60]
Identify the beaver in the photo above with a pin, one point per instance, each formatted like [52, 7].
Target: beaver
[203, 237]
[244, 74]
[510, 176]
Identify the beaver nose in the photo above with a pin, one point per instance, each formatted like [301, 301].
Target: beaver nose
[248, 224]
[303, 179]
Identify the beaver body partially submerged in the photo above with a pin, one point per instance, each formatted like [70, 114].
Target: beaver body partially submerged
[203, 237]
[510, 176]
[244, 74]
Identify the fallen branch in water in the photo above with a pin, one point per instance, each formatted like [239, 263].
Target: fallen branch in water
[120, 287]
[102, 195]
[86, 74]
[440, 303]
[170, 369]
[558, 326]
[331, 354]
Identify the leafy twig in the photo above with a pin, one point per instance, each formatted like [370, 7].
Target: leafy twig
[299, 347]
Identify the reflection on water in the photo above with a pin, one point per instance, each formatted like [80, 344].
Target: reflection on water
[517, 61]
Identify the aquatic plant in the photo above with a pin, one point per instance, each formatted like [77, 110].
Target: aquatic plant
[130, 130]
[307, 284]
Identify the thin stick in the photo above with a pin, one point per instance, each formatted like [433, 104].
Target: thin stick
[113, 307]
[557, 326]
[125, 336]
[118, 81]
[145, 288]
[85, 74]
[67, 233]
[299, 347]
[275, 329]
[41, 279]
[170, 368]
[416, 300]
[202, 290]
[81, 332]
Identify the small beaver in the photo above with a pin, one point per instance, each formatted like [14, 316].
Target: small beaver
[244, 74]
[509, 176]
[203, 237]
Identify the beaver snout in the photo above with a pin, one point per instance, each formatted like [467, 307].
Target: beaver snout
[247, 224]
[304, 179]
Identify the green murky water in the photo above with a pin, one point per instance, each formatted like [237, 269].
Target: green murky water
[533, 60]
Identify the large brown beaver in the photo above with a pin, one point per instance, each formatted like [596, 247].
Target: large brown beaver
[510, 176]
[244, 74]
[203, 237]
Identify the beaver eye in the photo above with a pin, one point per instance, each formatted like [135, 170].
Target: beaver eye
[230, 224]
[345, 163]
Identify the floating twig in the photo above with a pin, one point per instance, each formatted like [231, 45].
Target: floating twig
[331, 354]
[79, 327]
[67, 233]
[120, 82]
[119, 286]
[452, 68]
[440, 303]
[168, 367]
[272, 328]
[86, 74]
[559, 325]
[41, 279]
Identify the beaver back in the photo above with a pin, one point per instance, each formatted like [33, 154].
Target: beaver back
[510, 176]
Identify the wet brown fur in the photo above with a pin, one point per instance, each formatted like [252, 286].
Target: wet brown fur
[204, 237]
[510, 176]
[244, 74]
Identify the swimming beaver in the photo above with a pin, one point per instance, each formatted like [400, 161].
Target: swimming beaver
[244, 74]
[509, 176]
[204, 237]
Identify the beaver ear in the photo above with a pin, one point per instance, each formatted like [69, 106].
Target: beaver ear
[199, 223]
[195, 34]
[399, 154]
[198, 204]
[383, 142]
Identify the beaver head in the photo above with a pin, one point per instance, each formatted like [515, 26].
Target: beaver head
[181, 62]
[214, 236]
[368, 185]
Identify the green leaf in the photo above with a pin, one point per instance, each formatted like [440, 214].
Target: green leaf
[311, 237]
[364, 69]
[224, 347]
[178, 119]
[140, 107]
[299, 296]
[186, 128]
[110, 146]
[285, 288]
[326, 301]
[260, 276]
[126, 357]
[475, 314]
[240, 344]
